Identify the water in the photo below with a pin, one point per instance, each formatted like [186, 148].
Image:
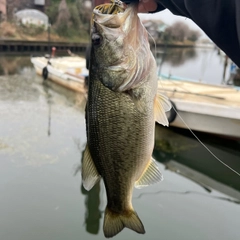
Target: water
[199, 64]
[42, 136]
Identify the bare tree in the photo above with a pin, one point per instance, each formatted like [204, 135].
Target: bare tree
[180, 31]
[194, 35]
[63, 14]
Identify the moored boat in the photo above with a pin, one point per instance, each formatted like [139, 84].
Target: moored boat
[207, 108]
[69, 71]
[201, 107]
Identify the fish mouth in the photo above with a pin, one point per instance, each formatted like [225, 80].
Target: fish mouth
[114, 14]
[112, 8]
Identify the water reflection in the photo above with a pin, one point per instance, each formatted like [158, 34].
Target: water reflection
[42, 134]
[11, 65]
[188, 63]
[46, 88]
[179, 151]
[190, 192]
[176, 56]
[74, 99]
[16, 89]
[92, 202]
[199, 64]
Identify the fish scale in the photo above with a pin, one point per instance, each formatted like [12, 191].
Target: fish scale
[118, 161]
[118, 118]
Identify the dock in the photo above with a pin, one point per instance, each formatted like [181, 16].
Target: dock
[18, 46]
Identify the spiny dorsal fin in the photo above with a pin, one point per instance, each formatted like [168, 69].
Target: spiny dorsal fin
[90, 175]
[150, 176]
[115, 222]
[161, 105]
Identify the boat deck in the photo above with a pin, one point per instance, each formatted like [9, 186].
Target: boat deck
[199, 92]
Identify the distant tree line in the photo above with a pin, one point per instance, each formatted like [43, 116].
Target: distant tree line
[180, 31]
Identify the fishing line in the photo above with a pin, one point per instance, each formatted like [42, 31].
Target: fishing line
[205, 65]
[154, 43]
[155, 51]
[234, 200]
[204, 144]
[217, 158]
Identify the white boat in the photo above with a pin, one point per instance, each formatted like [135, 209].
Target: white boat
[66, 71]
[207, 108]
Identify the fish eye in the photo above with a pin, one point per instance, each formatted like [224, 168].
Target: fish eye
[96, 39]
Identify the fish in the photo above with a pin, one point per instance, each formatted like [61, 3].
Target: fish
[122, 107]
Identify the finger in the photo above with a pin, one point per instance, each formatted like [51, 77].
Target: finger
[146, 6]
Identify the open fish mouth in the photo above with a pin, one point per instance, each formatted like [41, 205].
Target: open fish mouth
[114, 7]
[116, 11]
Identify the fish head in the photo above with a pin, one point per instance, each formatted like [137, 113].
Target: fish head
[120, 48]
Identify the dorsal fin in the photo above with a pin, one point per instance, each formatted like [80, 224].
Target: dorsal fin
[161, 105]
[90, 175]
[150, 175]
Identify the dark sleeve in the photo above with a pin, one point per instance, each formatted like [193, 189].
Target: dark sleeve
[219, 19]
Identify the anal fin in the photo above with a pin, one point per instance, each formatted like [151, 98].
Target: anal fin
[150, 176]
[90, 175]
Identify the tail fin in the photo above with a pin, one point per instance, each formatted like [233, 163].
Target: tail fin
[115, 222]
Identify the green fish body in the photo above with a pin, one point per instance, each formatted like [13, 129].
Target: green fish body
[122, 107]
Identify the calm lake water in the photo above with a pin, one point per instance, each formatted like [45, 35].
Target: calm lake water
[198, 64]
[42, 136]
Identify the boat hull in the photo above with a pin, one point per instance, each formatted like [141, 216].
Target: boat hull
[60, 74]
[205, 108]
[226, 127]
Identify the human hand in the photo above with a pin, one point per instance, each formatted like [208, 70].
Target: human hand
[145, 6]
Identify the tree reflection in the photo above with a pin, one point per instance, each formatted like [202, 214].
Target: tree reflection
[178, 56]
[47, 88]
[13, 65]
[92, 203]
[93, 214]
[178, 150]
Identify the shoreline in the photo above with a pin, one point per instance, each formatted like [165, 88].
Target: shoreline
[34, 46]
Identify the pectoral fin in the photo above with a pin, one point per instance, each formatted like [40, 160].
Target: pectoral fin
[90, 175]
[137, 98]
[161, 105]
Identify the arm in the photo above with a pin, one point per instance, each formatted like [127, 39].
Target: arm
[219, 19]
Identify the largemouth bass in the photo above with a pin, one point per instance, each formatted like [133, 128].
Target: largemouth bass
[121, 110]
